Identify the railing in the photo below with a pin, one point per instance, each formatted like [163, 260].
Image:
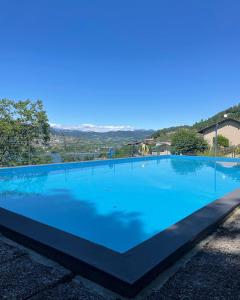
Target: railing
[233, 151]
[22, 154]
[15, 154]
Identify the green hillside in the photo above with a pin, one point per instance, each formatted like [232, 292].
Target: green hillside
[232, 112]
[165, 133]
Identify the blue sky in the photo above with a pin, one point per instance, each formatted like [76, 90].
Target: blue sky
[147, 64]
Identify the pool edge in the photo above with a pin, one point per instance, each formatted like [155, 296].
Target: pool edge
[125, 273]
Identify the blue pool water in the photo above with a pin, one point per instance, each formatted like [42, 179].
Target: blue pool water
[117, 203]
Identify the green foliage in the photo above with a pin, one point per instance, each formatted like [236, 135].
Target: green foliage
[165, 133]
[24, 129]
[222, 141]
[186, 141]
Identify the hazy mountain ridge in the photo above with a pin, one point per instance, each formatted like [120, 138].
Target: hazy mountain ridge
[126, 134]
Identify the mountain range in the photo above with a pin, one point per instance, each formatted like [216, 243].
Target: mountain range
[128, 133]
[120, 134]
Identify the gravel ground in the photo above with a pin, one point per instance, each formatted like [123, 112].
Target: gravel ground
[211, 272]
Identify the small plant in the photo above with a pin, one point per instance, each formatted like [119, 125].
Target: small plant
[222, 141]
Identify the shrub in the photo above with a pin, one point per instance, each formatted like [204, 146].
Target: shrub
[221, 141]
[187, 141]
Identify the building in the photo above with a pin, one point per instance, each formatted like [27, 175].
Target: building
[149, 141]
[229, 128]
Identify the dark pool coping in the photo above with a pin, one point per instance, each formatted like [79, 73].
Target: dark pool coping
[125, 273]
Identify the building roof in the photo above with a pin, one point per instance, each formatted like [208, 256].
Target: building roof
[134, 143]
[212, 126]
[167, 143]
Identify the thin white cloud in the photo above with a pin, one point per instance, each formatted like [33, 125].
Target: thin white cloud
[94, 128]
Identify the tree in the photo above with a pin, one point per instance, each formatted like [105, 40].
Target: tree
[24, 130]
[222, 141]
[186, 141]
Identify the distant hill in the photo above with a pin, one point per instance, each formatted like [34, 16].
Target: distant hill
[165, 133]
[233, 112]
[91, 135]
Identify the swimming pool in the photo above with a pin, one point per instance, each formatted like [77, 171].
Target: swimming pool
[117, 205]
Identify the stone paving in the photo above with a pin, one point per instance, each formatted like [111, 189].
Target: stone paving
[212, 272]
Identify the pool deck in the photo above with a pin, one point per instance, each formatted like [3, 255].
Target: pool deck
[209, 271]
